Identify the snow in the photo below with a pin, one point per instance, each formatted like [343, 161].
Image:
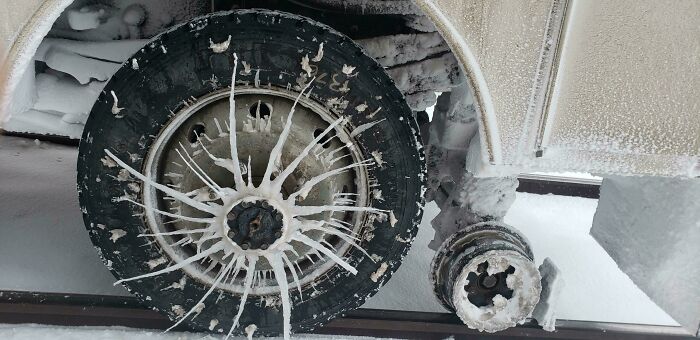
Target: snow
[85, 18]
[41, 332]
[556, 226]
[651, 226]
[552, 286]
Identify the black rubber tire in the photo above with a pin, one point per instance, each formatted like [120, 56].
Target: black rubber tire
[175, 68]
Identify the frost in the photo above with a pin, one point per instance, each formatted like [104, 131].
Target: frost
[220, 47]
[108, 162]
[378, 158]
[116, 234]
[115, 107]
[392, 219]
[319, 54]
[364, 127]
[305, 65]
[347, 70]
[178, 310]
[156, 262]
[250, 330]
[380, 271]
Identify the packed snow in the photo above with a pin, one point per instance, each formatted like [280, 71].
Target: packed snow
[41, 332]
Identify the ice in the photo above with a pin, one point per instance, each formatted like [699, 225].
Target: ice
[403, 48]
[220, 47]
[503, 313]
[85, 18]
[116, 51]
[552, 286]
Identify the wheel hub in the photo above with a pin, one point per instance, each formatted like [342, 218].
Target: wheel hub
[254, 225]
[483, 287]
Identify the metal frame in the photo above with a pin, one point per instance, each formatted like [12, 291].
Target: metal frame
[98, 310]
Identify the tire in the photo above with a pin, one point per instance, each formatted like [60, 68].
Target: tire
[171, 74]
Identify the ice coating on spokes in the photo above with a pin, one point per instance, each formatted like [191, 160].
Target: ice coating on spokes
[213, 230]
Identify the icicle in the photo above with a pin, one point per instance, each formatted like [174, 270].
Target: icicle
[236, 169]
[218, 279]
[250, 270]
[172, 192]
[165, 213]
[277, 149]
[294, 273]
[179, 232]
[277, 183]
[217, 247]
[277, 265]
[315, 245]
[197, 170]
[318, 179]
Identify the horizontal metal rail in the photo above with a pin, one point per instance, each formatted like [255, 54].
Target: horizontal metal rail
[98, 310]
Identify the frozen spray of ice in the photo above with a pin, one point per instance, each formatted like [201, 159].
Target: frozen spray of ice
[296, 221]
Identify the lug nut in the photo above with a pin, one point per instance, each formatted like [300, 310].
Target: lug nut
[231, 215]
[264, 204]
[278, 234]
[245, 246]
[264, 246]
[278, 217]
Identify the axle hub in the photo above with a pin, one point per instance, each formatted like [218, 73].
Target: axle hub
[254, 225]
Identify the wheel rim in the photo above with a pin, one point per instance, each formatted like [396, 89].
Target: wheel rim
[207, 112]
[295, 219]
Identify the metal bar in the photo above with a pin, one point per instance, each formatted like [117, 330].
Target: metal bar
[98, 310]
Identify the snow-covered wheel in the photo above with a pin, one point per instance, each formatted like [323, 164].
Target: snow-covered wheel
[486, 274]
[297, 216]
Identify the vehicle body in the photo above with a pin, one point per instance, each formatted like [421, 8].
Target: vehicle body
[547, 98]
[605, 87]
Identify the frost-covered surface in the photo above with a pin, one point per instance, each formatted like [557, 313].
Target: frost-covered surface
[473, 200]
[651, 227]
[369, 6]
[403, 48]
[552, 286]
[60, 98]
[41, 332]
[120, 23]
[557, 227]
[503, 313]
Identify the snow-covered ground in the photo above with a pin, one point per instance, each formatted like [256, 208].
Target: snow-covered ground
[41, 332]
[39, 210]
